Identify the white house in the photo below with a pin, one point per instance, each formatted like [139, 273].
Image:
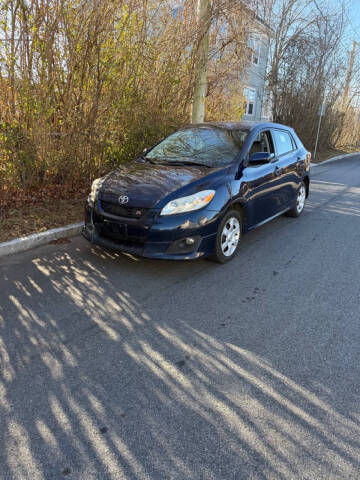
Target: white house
[257, 99]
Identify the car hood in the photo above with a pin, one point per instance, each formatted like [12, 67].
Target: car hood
[145, 184]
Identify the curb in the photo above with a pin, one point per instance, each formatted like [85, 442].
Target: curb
[37, 239]
[334, 159]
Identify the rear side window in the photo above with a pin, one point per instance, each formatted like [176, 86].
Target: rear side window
[284, 142]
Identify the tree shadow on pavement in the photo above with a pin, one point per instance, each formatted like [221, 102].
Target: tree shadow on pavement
[116, 367]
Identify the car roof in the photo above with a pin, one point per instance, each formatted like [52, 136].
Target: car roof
[247, 126]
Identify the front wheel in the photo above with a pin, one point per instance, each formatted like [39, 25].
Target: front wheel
[228, 237]
[297, 210]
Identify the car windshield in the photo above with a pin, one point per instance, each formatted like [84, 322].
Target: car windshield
[211, 147]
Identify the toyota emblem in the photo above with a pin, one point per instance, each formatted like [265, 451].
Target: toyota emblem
[123, 199]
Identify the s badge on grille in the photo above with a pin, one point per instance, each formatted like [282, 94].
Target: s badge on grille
[123, 199]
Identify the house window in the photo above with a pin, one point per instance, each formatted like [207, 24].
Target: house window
[250, 96]
[254, 46]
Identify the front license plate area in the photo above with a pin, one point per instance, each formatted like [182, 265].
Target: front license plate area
[117, 230]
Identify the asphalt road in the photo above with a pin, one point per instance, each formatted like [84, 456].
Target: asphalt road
[121, 368]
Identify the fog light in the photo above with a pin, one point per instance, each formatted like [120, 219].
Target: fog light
[184, 245]
[189, 241]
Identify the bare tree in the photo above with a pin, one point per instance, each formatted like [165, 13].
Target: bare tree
[85, 86]
[307, 65]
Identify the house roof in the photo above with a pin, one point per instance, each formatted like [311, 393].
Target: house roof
[268, 28]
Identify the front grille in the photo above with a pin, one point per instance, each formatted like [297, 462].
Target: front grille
[122, 211]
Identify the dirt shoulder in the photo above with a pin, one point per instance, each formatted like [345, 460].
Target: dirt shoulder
[24, 213]
[328, 153]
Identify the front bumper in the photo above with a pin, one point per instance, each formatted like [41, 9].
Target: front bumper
[154, 236]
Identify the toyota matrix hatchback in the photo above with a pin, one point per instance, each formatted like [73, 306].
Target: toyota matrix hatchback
[199, 190]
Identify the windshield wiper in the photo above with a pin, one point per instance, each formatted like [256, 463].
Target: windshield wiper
[164, 161]
[198, 164]
[168, 161]
[147, 159]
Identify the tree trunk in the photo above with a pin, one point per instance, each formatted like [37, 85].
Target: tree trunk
[200, 81]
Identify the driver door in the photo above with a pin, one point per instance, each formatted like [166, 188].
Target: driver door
[261, 183]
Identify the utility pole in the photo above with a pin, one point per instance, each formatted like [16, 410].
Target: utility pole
[349, 77]
[355, 136]
[200, 80]
[321, 114]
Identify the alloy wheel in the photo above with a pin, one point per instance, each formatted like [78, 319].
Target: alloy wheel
[230, 236]
[300, 199]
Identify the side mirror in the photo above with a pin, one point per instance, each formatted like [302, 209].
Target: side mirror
[260, 158]
[141, 158]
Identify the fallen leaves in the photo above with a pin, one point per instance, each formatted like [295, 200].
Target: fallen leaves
[25, 212]
[60, 241]
[14, 198]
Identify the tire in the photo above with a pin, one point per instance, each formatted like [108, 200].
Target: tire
[300, 199]
[226, 249]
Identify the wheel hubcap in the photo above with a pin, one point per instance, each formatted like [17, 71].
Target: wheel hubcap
[230, 236]
[300, 200]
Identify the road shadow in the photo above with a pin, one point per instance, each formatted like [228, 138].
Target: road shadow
[117, 367]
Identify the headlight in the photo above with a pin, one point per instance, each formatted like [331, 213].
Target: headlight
[187, 204]
[94, 190]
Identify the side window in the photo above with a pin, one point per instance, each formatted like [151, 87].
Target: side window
[250, 97]
[283, 140]
[262, 143]
[254, 50]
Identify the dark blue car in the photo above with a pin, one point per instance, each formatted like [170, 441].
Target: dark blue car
[199, 190]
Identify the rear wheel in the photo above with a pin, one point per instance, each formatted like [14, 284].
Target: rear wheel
[297, 210]
[228, 237]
